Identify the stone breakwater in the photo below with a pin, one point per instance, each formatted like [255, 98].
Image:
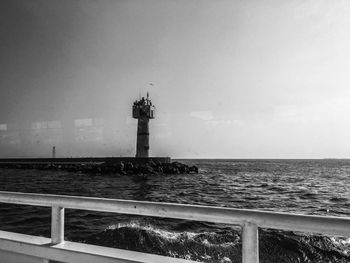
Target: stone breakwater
[100, 168]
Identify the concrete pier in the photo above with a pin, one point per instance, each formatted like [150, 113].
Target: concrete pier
[110, 165]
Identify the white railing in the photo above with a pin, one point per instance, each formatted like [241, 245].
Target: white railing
[249, 220]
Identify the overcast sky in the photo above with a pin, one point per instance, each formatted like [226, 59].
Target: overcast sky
[233, 79]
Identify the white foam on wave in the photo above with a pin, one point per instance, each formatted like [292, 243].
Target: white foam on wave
[340, 241]
[169, 235]
[172, 235]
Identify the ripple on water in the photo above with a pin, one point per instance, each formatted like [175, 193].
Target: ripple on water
[338, 199]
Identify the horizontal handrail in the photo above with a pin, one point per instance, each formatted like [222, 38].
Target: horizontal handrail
[328, 225]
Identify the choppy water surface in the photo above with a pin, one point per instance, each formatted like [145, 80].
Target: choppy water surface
[304, 186]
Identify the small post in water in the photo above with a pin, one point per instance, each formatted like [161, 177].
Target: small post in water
[54, 152]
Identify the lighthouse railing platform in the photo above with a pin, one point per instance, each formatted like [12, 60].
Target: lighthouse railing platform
[19, 248]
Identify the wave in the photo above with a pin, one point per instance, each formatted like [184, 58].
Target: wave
[338, 199]
[222, 244]
[213, 246]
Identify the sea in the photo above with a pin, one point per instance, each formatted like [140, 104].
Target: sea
[310, 187]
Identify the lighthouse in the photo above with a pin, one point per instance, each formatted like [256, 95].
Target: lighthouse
[143, 111]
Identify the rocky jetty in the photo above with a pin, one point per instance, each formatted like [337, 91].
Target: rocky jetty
[124, 168]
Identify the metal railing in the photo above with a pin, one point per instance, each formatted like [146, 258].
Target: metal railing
[249, 220]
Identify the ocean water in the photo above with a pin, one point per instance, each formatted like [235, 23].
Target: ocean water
[319, 187]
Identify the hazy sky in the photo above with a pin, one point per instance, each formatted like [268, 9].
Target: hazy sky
[234, 79]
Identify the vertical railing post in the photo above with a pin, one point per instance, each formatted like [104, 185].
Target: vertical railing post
[57, 225]
[250, 243]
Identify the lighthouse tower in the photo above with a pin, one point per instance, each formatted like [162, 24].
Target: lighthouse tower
[143, 110]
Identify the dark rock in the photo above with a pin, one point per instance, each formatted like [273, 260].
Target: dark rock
[194, 169]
